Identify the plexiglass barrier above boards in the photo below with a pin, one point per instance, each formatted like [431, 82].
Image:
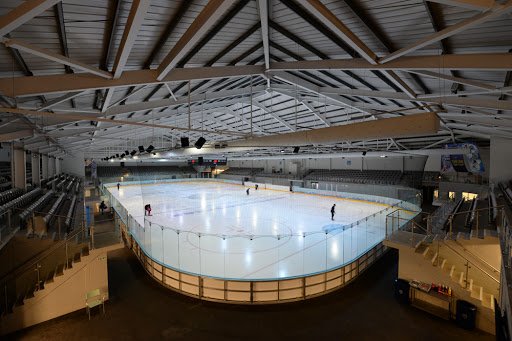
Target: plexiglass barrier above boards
[263, 257]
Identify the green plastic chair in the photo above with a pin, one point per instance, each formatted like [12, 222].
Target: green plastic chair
[93, 299]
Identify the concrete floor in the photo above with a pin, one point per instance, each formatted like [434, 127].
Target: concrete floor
[142, 309]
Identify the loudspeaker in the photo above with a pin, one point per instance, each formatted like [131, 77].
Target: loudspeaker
[185, 142]
[200, 160]
[200, 142]
[466, 315]
[402, 290]
[296, 150]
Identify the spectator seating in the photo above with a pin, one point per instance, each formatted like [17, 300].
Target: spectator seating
[116, 172]
[242, 171]
[381, 177]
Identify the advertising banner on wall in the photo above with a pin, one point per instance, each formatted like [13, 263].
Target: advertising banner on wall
[466, 163]
[91, 164]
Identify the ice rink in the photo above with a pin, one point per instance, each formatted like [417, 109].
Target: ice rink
[216, 229]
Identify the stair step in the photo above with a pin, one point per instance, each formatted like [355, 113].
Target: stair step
[463, 235]
[433, 260]
[60, 270]
[50, 277]
[30, 292]
[85, 251]
[488, 300]
[421, 248]
[19, 300]
[461, 279]
[490, 233]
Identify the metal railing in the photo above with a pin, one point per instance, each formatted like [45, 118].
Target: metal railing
[426, 232]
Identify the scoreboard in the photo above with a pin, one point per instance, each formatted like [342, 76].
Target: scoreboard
[207, 162]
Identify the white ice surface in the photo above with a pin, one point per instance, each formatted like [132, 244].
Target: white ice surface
[223, 232]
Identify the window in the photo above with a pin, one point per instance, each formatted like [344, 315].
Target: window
[451, 196]
[469, 196]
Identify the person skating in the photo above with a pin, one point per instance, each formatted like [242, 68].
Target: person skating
[248, 191]
[118, 185]
[332, 211]
[256, 186]
[147, 209]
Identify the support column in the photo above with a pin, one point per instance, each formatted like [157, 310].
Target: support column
[51, 166]
[36, 169]
[44, 165]
[58, 166]
[18, 166]
[501, 160]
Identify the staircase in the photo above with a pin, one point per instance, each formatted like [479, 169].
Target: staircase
[60, 290]
[457, 276]
[469, 263]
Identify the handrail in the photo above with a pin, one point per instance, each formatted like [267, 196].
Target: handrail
[14, 273]
[466, 250]
[436, 237]
[17, 272]
[479, 209]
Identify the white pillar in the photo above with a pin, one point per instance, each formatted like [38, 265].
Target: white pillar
[501, 160]
[58, 166]
[45, 166]
[18, 166]
[51, 166]
[36, 169]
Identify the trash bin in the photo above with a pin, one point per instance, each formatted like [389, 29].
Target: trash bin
[402, 290]
[466, 315]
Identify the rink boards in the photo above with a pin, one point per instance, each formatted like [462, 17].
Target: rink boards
[298, 266]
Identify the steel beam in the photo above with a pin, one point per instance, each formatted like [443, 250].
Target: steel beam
[263, 11]
[132, 26]
[46, 54]
[180, 100]
[478, 5]
[61, 99]
[497, 11]
[39, 85]
[334, 24]
[23, 13]
[208, 16]
[168, 31]
[41, 113]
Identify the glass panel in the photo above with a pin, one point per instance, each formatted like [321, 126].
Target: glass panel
[291, 256]
[237, 257]
[315, 248]
[335, 254]
[212, 256]
[156, 242]
[171, 248]
[147, 236]
[189, 252]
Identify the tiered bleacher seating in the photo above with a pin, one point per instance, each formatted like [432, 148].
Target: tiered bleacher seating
[279, 175]
[242, 171]
[382, 177]
[116, 172]
[9, 195]
[430, 176]
[21, 201]
[5, 170]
